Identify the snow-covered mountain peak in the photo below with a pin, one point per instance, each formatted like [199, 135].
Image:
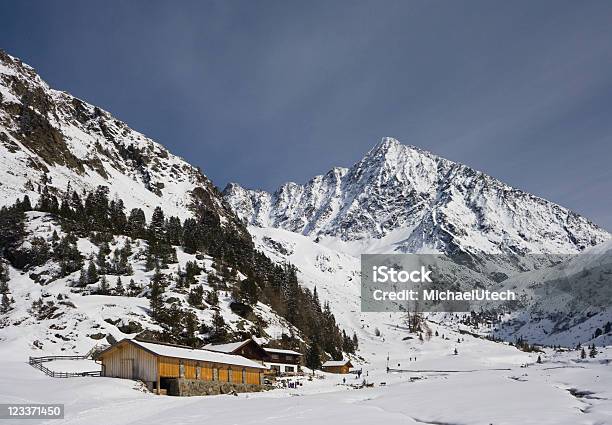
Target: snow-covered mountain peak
[400, 198]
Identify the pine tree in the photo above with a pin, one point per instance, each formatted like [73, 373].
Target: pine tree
[157, 225]
[191, 271]
[192, 325]
[26, 205]
[117, 217]
[191, 236]
[248, 293]
[12, 227]
[68, 255]
[313, 355]
[583, 354]
[133, 288]
[119, 289]
[92, 273]
[195, 296]
[4, 278]
[101, 260]
[121, 264]
[156, 302]
[174, 231]
[40, 252]
[76, 206]
[103, 287]
[456, 352]
[593, 351]
[83, 279]
[137, 224]
[539, 360]
[219, 331]
[47, 202]
[5, 306]
[150, 260]
[212, 298]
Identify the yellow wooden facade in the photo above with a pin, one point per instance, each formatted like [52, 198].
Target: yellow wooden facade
[170, 367]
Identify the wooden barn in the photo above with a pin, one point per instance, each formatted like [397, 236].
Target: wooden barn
[337, 366]
[179, 370]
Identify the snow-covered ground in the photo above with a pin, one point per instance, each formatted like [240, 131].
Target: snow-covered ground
[73, 365]
[485, 383]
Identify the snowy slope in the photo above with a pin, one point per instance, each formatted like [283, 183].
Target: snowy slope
[76, 319]
[564, 304]
[48, 137]
[402, 199]
[568, 312]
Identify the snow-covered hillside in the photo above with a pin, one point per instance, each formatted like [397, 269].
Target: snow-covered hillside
[51, 315]
[78, 166]
[50, 138]
[567, 304]
[402, 199]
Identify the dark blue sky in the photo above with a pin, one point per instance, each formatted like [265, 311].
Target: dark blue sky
[261, 92]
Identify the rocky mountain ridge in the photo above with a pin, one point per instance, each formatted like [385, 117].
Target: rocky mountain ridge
[400, 198]
[50, 138]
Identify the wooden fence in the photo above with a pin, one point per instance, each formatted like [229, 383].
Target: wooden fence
[37, 362]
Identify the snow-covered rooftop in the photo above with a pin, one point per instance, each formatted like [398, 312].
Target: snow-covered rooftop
[225, 348]
[332, 363]
[195, 354]
[281, 351]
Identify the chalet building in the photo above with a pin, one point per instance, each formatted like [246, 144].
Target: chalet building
[248, 348]
[277, 360]
[283, 361]
[337, 366]
[177, 370]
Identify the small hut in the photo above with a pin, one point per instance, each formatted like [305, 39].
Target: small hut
[337, 366]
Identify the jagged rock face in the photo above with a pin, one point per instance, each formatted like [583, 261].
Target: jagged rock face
[48, 137]
[417, 202]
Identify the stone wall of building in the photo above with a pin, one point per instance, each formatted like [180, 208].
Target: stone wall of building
[195, 387]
